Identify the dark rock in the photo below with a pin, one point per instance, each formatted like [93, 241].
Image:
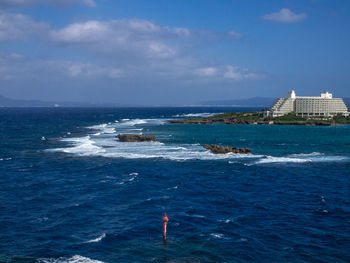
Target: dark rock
[225, 149]
[107, 146]
[136, 138]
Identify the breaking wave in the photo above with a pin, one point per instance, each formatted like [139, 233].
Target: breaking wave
[102, 142]
[98, 239]
[204, 114]
[302, 158]
[74, 259]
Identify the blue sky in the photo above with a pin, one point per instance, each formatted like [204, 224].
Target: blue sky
[172, 52]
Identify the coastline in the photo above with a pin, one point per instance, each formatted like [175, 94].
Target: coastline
[256, 118]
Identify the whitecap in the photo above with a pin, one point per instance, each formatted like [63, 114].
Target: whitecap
[202, 114]
[80, 146]
[302, 158]
[74, 259]
[220, 236]
[132, 178]
[144, 150]
[198, 216]
[98, 239]
[272, 159]
[103, 128]
[306, 154]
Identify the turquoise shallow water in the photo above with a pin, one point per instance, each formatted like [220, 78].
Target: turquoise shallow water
[66, 198]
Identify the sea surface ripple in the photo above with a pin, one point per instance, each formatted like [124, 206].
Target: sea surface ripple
[71, 192]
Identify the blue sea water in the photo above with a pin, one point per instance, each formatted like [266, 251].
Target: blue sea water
[66, 197]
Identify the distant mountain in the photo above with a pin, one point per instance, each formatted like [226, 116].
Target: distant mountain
[6, 102]
[252, 102]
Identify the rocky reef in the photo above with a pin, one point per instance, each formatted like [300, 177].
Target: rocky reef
[225, 149]
[136, 138]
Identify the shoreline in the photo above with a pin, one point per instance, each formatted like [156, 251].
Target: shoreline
[256, 118]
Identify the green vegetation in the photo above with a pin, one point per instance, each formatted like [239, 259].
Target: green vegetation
[246, 116]
[289, 117]
[341, 119]
[258, 118]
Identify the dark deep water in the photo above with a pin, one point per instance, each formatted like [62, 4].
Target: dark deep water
[65, 198]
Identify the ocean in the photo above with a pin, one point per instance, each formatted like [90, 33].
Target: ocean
[71, 192]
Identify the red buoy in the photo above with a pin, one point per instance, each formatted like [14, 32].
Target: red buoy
[165, 222]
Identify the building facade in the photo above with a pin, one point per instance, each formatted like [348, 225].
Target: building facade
[325, 105]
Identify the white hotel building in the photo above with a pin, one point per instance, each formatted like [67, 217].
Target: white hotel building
[325, 105]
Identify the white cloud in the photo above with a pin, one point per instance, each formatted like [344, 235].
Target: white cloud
[206, 71]
[235, 34]
[285, 16]
[28, 3]
[237, 73]
[89, 70]
[16, 66]
[18, 26]
[141, 37]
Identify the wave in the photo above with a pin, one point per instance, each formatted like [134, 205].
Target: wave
[81, 146]
[219, 236]
[203, 114]
[103, 128]
[97, 239]
[303, 158]
[86, 146]
[271, 159]
[74, 259]
[306, 154]
[96, 145]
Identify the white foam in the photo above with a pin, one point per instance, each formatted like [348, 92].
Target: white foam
[98, 127]
[203, 114]
[74, 259]
[143, 150]
[303, 158]
[220, 236]
[271, 159]
[134, 122]
[81, 146]
[104, 128]
[306, 154]
[97, 239]
[105, 135]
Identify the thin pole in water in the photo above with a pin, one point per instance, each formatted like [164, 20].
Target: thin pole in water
[165, 222]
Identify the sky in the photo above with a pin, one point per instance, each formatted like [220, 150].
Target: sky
[172, 52]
